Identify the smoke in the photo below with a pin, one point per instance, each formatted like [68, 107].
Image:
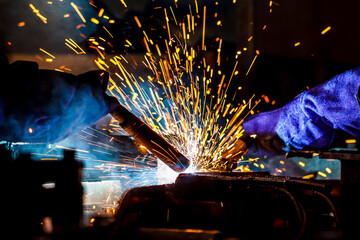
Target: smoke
[43, 106]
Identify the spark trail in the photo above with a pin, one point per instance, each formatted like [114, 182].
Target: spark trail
[175, 97]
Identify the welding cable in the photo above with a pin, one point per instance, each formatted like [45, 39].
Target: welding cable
[332, 206]
[300, 211]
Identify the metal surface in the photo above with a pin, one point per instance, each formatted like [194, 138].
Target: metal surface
[213, 205]
[151, 140]
[236, 204]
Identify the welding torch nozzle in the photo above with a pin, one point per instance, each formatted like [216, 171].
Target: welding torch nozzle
[150, 139]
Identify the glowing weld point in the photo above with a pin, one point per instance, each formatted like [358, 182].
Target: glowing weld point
[30, 130]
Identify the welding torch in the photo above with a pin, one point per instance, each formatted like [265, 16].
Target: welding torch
[150, 139]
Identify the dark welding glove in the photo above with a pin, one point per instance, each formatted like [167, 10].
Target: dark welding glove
[312, 119]
[45, 106]
[309, 121]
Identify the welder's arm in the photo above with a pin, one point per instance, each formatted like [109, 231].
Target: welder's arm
[310, 120]
[47, 106]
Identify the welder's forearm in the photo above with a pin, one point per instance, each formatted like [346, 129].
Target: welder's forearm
[46, 106]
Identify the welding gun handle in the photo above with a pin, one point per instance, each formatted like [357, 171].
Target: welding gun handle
[150, 139]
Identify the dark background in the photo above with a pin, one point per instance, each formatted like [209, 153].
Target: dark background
[281, 71]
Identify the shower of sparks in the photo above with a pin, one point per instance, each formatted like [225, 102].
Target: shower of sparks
[175, 99]
[181, 96]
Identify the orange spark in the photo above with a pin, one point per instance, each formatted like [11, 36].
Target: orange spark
[203, 32]
[325, 30]
[137, 21]
[94, 20]
[78, 11]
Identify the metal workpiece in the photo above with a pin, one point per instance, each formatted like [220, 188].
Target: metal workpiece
[150, 139]
[236, 205]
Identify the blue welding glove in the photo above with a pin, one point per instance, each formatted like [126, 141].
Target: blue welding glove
[45, 106]
[312, 118]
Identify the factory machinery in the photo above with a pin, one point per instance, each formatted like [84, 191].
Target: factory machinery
[44, 200]
[217, 205]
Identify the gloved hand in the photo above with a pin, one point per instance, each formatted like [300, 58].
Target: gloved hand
[309, 121]
[45, 106]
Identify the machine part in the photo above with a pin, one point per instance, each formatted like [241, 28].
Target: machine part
[150, 139]
[349, 184]
[40, 196]
[239, 205]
